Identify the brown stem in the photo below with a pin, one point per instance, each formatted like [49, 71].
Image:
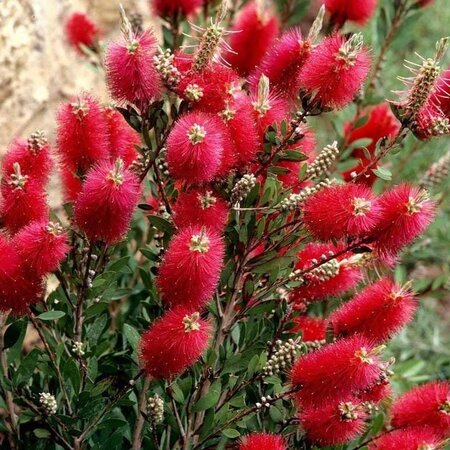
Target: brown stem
[177, 417]
[140, 419]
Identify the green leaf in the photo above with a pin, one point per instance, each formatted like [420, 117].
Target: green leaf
[41, 433]
[161, 224]
[210, 399]
[131, 335]
[51, 315]
[14, 333]
[231, 433]
[383, 173]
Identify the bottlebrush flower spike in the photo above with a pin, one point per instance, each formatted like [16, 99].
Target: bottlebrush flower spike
[266, 441]
[415, 438]
[340, 211]
[130, 73]
[423, 3]
[82, 134]
[282, 64]
[33, 157]
[427, 405]
[42, 246]
[81, 30]
[195, 147]
[9, 270]
[352, 10]
[378, 312]
[335, 71]
[169, 8]
[122, 139]
[104, 207]
[317, 286]
[381, 123]
[336, 371]
[255, 30]
[191, 267]
[72, 185]
[376, 393]
[200, 207]
[23, 202]
[406, 212]
[238, 118]
[335, 423]
[173, 343]
[268, 109]
[312, 329]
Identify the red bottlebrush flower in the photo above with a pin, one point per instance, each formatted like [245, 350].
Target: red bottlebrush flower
[353, 10]
[406, 211]
[312, 329]
[23, 202]
[238, 118]
[416, 438]
[335, 423]
[168, 8]
[82, 134]
[318, 287]
[72, 185]
[209, 90]
[9, 269]
[130, 73]
[195, 147]
[81, 30]
[191, 267]
[427, 405]
[121, 138]
[202, 208]
[376, 393]
[33, 157]
[258, 441]
[380, 123]
[104, 207]
[425, 2]
[440, 95]
[377, 312]
[335, 71]
[282, 64]
[339, 211]
[430, 122]
[42, 246]
[255, 31]
[173, 343]
[336, 371]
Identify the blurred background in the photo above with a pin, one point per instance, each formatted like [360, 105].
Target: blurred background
[38, 70]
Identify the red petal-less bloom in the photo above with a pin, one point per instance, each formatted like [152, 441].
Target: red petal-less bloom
[229, 154]
[378, 312]
[335, 71]
[42, 246]
[173, 343]
[121, 138]
[195, 148]
[406, 212]
[380, 123]
[209, 90]
[167, 8]
[312, 329]
[425, 2]
[440, 95]
[282, 63]
[191, 267]
[354, 10]
[72, 185]
[82, 134]
[336, 371]
[341, 211]
[202, 208]
[130, 73]
[427, 405]
[347, 276]
[33, 156]
[255, 31]
[9, 269]
[415, 438]
[376, 393]
[260, 441]
[333, 424]
[104, 207]
[22, 201]
[81, 30]
[238, 118]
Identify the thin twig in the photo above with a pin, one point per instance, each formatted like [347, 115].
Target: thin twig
[140, 419]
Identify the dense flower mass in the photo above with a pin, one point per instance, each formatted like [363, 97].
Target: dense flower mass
[258, 441]
[168, 8]
[335, 71]
[173, 343]
[414, 438]
[353, 10]
[81, 30]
